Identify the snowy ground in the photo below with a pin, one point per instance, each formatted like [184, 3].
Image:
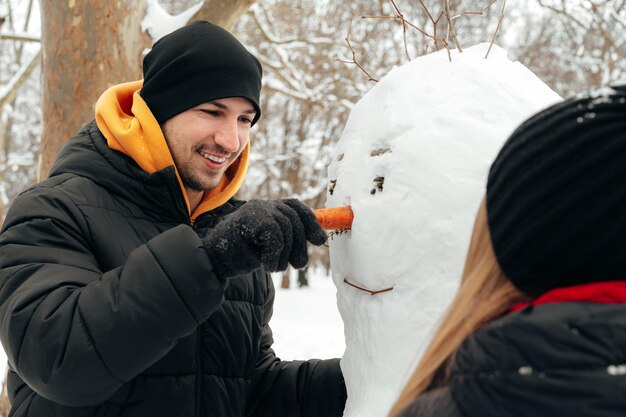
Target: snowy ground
[306, 322]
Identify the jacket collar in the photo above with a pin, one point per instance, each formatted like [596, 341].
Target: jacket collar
[609, 292]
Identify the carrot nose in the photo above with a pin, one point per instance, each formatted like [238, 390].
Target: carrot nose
[335, 218]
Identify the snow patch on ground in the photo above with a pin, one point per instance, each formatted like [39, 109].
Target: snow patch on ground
[306, 322]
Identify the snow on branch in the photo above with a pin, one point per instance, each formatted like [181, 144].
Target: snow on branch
[21, 37]
[277, 87]
[289, 42]
[563, 12]
[10, 89]
[619, 19]
[285, 70]
[158, 23]
[286, 77]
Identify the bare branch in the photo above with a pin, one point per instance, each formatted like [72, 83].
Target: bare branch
[430, 16]
[451, 29]
[354, 61]
[436, 24]
[563, 12]
[423, 32]
[401, 16]
[495, 34]
[479, 12]
[489, 5]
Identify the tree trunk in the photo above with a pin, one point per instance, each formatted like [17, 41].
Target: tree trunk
[285, 281]
[88, 46]
[224, 13]
[302, 278]
[5, 405]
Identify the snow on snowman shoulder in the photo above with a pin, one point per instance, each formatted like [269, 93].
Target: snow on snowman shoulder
[412, 163]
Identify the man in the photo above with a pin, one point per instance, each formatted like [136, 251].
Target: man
[133, 284]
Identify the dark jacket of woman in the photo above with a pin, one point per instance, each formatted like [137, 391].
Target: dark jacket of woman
[109, 307]
[557, 359]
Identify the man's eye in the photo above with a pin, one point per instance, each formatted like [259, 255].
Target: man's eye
[210, 112]
[246, 120]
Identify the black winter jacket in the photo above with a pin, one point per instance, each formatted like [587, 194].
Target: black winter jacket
[550, 360]
[109, 306]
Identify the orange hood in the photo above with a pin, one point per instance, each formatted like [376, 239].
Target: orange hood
[129, 127]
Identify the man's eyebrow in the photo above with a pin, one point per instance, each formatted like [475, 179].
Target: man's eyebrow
[225, 107]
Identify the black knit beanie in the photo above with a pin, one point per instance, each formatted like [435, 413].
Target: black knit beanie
[556, 195]
[195, 64]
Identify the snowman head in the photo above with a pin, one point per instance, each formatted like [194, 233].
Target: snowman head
[412, 163]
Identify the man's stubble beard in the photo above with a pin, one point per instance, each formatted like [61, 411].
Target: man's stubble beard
[191, 180]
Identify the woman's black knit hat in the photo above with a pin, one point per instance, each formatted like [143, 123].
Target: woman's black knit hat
[195, 64]
[556, 195]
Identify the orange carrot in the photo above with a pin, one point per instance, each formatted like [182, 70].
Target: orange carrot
[335, 217]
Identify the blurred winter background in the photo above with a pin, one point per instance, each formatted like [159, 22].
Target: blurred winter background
[313, 77]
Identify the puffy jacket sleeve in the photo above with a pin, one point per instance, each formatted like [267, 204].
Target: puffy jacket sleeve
[313, 388]
[75, 333]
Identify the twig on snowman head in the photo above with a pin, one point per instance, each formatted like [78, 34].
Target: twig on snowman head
[478, 12]
[354, 61]
[406, 23]
[371, 292]
[451, 28]
[435, 26]
[497, 27]
[401, 16]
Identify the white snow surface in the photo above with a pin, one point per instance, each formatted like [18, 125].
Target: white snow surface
[159, 23]
[306, 323]
[434, 127]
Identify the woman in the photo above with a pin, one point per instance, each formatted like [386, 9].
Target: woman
[538, 326]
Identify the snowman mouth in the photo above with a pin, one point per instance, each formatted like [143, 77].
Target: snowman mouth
[370, 292]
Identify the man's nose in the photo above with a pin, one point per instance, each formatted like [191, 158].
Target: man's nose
[227, 135]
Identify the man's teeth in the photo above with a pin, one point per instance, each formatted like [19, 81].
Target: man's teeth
[213, 158]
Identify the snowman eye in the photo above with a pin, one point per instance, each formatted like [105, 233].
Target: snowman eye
[379, 152]
[340, 157]
[331, 186]
[378, 185]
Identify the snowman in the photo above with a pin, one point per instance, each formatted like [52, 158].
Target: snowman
[412, 164]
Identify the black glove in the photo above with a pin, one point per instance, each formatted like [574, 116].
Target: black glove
[263, 233]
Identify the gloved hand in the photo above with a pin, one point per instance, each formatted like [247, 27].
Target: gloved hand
[263, 233]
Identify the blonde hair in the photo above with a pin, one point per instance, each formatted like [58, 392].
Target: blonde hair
[484, 294]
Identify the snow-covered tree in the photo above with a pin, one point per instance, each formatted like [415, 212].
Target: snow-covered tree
[573, 45]
[19, 98]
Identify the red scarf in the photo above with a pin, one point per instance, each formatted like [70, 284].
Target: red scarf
[608, 292]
